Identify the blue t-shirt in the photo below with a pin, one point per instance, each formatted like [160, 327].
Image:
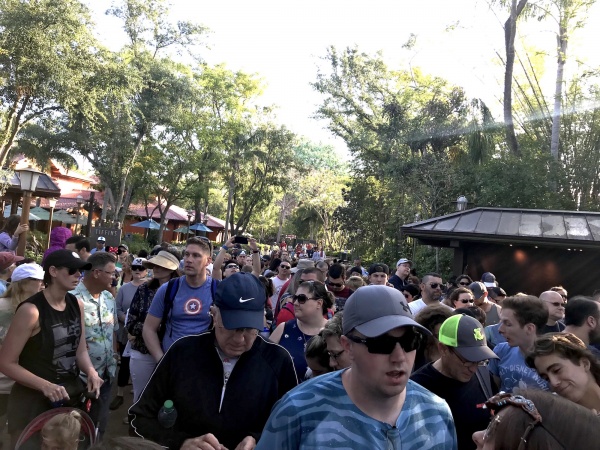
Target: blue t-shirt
[319, 414]
[189, 313]
[513, 371]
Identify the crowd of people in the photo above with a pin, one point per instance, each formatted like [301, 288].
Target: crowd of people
[231, 348]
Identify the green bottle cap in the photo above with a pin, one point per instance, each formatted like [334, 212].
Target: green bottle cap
[168, 404]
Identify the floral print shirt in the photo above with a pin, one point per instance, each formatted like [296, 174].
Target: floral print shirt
[101, 323]
[138, 310]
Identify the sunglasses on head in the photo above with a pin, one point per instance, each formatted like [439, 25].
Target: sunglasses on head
[465, 301]
[302, 299]
[385, 344]
[138, 268]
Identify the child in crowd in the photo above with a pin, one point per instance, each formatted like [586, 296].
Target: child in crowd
[62, 431]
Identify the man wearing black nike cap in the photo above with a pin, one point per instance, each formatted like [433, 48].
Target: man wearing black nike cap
[224, 382]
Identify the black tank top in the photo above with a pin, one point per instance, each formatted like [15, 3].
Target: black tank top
[51, 354]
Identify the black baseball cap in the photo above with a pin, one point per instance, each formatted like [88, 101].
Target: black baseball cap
[241, 300]
[66, 258]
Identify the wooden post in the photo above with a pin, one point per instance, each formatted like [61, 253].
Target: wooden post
[24, 220]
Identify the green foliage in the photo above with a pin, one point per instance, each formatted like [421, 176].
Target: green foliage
[48, 56]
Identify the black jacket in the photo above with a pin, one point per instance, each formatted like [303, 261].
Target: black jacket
[191, 375]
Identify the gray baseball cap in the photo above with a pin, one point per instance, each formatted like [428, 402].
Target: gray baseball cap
[374, 310]
[466, 335]
[478, 288]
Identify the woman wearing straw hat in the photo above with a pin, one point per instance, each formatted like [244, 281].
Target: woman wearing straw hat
[164, 267]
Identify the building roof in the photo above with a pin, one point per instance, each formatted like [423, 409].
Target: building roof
[45, 186]
[175, 213]
[579, 229]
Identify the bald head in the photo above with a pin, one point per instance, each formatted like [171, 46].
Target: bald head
[555, 305]
[550, 296]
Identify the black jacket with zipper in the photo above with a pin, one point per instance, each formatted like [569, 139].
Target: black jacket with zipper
[191, 375]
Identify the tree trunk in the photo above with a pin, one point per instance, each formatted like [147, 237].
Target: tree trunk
[556, 113]
[510, 31]
[229, 204]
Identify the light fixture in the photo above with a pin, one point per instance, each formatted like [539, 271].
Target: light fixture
[28, 178]
[52, 202]
[80, 200]
[461, 203]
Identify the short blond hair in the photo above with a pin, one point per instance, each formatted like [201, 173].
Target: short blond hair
[62, 431]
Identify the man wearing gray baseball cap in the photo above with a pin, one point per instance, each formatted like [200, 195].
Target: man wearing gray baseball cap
[371, 404]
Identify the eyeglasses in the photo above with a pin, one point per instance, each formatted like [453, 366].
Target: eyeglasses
[329, 283]
[285, 267]
[138, 268]
[558, 304]
[385, 344]
[301, 298]
[232, 266]
[112, 274]
[466, 363]
[435, 285]
[465, 301]
[335, 356]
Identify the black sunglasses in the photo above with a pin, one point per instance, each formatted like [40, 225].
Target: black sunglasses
[285, 267]
[329, 283]
[232, 266]
[138, 268]
[72, 270]
[464, 283]
[385, 344]
[302, 299]
[435, 285]
[466, 301]
[558, 304]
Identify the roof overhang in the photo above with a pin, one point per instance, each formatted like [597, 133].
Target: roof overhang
[506, 226]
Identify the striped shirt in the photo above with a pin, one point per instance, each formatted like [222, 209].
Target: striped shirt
[319, 414]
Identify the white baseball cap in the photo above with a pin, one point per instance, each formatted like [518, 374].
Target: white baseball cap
[138, 261]
[31, 270]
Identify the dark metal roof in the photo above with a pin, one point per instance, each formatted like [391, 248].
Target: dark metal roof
[45, 187]
[502, 225]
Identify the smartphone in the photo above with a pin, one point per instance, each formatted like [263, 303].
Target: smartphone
[240, 240]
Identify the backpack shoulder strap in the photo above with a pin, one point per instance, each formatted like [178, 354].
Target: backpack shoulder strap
[172, 288]
[213, 288]
[483, 376]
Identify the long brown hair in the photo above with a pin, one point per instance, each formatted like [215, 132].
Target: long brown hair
[579, 431]
[567, 346]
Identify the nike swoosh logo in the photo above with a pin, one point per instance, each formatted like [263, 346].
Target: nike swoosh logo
[244, 300]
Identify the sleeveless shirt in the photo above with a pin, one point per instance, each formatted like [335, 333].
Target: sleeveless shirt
[294, 341]
[51, 354]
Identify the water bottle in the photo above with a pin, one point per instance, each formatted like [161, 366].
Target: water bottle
[265, 333]
[167, 415]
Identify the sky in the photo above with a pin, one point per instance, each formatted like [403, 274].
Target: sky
[283, 42]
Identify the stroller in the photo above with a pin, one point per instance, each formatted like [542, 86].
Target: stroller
[31, 437]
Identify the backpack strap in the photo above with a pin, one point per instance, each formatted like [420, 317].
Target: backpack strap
[483, 376]
[172, 288]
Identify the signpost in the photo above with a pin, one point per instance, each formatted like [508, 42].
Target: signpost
[112, 235]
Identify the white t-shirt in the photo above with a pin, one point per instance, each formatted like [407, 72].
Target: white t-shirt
[418, 305]
[277, 285]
